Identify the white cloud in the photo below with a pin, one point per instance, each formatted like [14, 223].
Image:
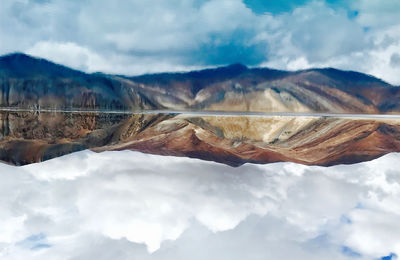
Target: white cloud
[84, 59]
[135, 37]
[108, 205]
[318, 36]
[375, 13]
[69, 54]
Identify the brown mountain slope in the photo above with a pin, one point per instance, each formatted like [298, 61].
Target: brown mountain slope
[32, 137]
[31, 83]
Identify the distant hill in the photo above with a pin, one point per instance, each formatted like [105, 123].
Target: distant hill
[19, 65]
[33, 83]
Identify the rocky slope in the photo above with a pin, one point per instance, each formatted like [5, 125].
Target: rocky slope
[27, 137]
[27, 82]
[38, 85]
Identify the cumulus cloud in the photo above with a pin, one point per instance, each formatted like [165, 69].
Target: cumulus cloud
[395, 60]
[69, 54]
[317, 35]
[375, 13]
[135, 37]
[116, 205]
[82, 58]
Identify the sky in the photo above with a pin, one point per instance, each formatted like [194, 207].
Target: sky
[115, 205]
[135, 37]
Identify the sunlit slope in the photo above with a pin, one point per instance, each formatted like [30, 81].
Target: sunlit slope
[237, 140]
[31, 83]
[27, 137]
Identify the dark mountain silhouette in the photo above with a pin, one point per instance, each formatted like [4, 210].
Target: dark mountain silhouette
[19, 65]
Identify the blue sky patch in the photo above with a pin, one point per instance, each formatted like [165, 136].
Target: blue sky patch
[392, 256]
[273, 7]
[35, 242]
[350, 252]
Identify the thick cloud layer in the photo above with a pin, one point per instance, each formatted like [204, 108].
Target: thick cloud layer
[124, 205]
[134, 37]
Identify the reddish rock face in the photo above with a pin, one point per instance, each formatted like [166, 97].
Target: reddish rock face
[33, 137]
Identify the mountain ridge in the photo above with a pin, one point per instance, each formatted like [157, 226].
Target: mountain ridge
[14, 61]
[31, 83]
[233, 67]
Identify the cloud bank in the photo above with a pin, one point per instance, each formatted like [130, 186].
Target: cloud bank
[119, 205]
[135, 37]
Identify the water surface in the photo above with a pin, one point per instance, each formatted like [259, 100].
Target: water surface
[229, 138]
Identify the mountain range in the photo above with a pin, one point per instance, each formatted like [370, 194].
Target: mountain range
[40, 86]
[29, 137]
[27, 82]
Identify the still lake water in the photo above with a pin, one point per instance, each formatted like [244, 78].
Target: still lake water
[191, 186]
[229, 138]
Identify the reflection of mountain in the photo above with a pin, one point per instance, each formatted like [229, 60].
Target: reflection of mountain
[27, 82]
[32, 137]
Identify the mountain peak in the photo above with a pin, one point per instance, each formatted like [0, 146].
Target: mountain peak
[16, 55]
[237, 66]
[348, 75]
[22, 65]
